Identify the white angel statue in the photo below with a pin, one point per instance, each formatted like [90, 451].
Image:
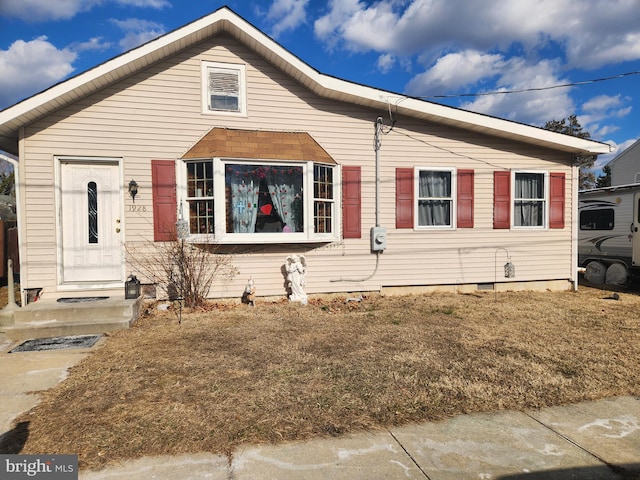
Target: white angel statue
[296, 267]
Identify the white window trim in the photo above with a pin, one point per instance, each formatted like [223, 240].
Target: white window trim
[545, 220]
[336, 216]
[242, 91]
[416, 196]
[220, 207]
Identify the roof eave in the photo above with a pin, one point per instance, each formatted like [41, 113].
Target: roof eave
[458, 118]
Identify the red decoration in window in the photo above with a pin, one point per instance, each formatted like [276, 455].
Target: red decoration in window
[266, 209]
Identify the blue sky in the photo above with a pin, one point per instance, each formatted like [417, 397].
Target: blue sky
[425, 48]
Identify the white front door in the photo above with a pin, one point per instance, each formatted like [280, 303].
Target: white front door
[635, 230]
[91, 229]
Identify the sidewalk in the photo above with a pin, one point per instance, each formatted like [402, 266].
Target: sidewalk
[592, 440]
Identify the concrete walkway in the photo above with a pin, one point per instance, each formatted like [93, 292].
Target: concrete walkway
[592, 440]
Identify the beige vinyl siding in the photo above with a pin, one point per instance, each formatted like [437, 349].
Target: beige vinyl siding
[156, 114]
[40, 229]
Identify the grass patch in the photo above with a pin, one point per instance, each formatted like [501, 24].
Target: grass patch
[234, 374]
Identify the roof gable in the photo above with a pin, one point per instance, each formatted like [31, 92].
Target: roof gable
[224, 20]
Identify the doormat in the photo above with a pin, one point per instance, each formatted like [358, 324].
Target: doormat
[57, 343]
[80, 299]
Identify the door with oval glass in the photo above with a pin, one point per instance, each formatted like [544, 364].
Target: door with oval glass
[90, 218]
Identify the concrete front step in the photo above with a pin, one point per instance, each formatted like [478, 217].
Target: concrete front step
[45, 310]
[55, 328]
[51, 319]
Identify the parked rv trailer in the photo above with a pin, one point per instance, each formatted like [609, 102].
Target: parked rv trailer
[608, 238]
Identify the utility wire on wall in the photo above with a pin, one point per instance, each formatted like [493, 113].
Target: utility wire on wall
[380, 129]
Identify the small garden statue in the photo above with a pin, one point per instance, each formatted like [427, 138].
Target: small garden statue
[249, 295]
[296, 267]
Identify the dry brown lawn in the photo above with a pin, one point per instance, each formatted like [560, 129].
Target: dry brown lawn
[236, 374]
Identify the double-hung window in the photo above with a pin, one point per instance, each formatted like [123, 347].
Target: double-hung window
[223, 88]
[200, 197]
[530, 199]
[323, 199]
[246, 201]
[435, 198]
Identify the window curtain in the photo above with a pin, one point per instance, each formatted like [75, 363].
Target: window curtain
[431, 186]
[245, 206]
[529, 204]
[282, 196]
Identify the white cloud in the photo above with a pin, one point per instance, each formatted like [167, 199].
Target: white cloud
[137, 31]
[531, 107]
[158, 4]
[357, 26]
[602, 103]
[454, 71]
[93, 44]
[286, 15]
[600, 109]
[591, 33]
[41, 10]
[29, 67]
[386, 62]
[44, 10]
[330, 27]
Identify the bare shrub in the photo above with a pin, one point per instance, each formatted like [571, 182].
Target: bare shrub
[186, 270]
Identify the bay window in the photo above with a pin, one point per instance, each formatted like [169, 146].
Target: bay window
[241, 201]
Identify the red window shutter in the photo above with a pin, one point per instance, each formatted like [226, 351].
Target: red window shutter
[404, 197]
[501, 199]
[163, 179]
[465, 199]
[351, 203]
[556, 200]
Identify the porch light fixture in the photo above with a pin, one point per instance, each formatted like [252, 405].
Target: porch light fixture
[133, 189]
[131, 288]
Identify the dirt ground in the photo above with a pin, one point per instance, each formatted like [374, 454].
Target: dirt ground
[232, 374]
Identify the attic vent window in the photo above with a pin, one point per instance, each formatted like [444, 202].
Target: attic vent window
[223, 88]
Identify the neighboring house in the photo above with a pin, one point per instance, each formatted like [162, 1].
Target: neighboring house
[267, 157]
[625, 167]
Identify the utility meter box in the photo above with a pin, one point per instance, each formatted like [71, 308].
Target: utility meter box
[378, 239]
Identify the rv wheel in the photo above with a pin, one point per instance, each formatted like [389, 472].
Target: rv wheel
[616, 274]
[595, 273]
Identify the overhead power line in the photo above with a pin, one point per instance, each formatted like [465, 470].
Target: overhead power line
[536, 89]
